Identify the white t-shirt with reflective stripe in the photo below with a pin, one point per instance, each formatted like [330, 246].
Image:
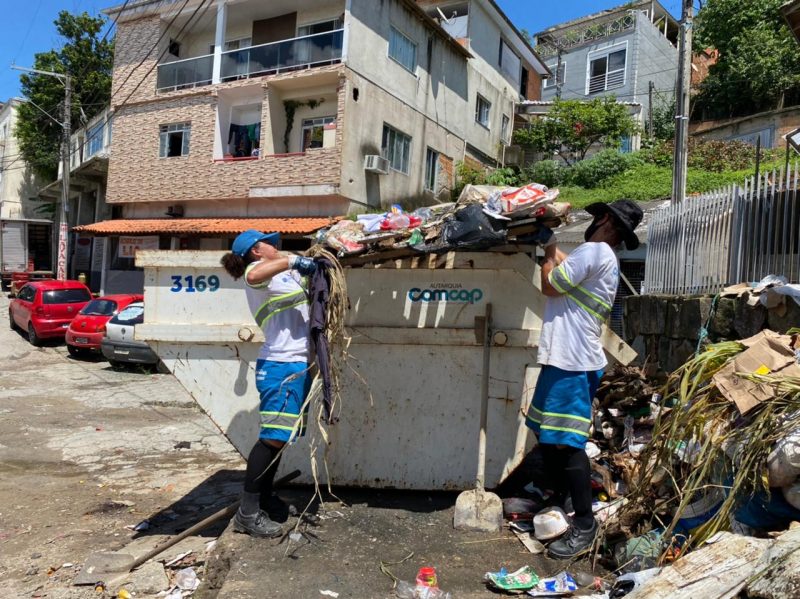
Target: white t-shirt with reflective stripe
[280, 307]
[573, 321]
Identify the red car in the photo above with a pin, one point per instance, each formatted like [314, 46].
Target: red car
[44, 309]
[87, 329]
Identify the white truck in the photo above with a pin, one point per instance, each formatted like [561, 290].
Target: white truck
[26, 250]
[411, 398]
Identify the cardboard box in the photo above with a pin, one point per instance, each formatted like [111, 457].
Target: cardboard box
[766, 353]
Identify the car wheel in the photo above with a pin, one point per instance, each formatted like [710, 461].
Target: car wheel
[161, 368]
[73, 351]
[33, 338]
[116, 365]
[11, 321]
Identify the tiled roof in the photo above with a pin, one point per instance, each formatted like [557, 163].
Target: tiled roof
[206, 226]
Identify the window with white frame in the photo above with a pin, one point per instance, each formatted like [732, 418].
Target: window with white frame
[174, 140]
[504, 129]
[402, 49]
[510, 64]
[431, 169]
[314, 131]
[606, 71]
[558, 71]
[482, 110]
[396, 148]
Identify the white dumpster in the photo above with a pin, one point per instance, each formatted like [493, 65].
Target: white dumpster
[410, 403]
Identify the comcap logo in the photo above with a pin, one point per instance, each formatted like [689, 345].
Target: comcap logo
[466, 296]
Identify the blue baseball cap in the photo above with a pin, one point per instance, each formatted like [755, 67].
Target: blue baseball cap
[244, 242]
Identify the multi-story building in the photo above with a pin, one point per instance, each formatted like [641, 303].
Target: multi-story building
[301, 110]
[25, 225]
[89, 151]
[629, 52]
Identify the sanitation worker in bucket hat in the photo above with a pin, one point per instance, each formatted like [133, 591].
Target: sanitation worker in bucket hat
[580, 289]
[276, 288]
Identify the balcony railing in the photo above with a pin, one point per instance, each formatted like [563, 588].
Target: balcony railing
[287, 55]
[187, 73]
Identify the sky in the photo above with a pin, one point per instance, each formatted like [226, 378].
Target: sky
[27, 25]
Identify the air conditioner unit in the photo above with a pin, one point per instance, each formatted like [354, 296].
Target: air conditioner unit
[376, 164]
[175, 211]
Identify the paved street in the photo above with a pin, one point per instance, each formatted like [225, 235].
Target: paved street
[86, 451]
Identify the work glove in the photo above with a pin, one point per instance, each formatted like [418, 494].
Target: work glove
[544, 237]
[303, 265]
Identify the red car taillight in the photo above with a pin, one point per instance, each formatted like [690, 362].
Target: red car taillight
[101, 328]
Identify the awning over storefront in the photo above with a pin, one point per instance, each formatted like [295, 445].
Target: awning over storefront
[180, 227]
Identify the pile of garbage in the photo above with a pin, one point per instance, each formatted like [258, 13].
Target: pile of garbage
[702, 465]
[484, 216]
[725, 450]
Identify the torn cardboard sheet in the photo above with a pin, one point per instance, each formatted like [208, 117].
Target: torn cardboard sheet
[767, 353]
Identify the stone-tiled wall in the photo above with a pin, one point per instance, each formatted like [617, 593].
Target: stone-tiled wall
[138, 174]
[665, 329]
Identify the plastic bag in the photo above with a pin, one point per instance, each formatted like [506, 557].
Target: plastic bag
[522, 201]
[561, 584]
[521, 580]
[472, 228]
[345, 236]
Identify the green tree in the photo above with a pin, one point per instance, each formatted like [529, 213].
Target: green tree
[759, 60]
[572, 127]
[85, 56]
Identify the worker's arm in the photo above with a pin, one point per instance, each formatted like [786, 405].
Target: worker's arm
[265, 269]
[552, 258]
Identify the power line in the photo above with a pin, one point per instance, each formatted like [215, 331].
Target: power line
[28, 32]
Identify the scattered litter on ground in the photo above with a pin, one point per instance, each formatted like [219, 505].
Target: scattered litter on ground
[183, 445]
[328, 593]
[186, 579]
[179, 557]
[561, 585]
[523, 579]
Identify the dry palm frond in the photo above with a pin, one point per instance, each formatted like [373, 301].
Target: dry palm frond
[704, 445]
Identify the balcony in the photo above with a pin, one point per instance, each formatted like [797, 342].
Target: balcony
[184, 74]
[287, 55]
[298, 53]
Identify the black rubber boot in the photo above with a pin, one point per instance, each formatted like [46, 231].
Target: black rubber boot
[575, 541]
[276, 508]
[256, 525]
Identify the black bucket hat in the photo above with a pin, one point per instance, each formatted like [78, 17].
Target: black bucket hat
[627, 215]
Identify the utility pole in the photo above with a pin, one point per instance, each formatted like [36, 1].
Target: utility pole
[650, 88]
[63, 232]
[682, 103]
[63, 229]
[559, 78]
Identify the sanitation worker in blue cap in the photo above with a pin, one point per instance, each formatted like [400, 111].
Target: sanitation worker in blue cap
[580, 289]
[276, 286]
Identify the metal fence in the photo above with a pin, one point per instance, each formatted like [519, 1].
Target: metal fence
[734, 235]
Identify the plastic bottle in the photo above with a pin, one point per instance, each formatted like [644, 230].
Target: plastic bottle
[426, 577]
[406, 590]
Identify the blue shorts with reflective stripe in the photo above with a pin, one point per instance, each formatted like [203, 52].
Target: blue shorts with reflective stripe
[283, 387]
[561, 410]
